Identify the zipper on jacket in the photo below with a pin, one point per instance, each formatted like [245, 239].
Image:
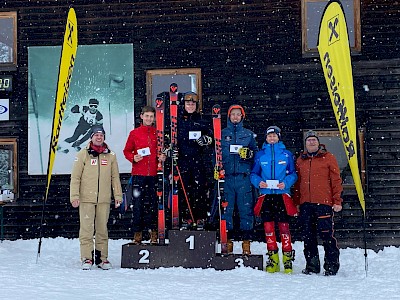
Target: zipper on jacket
[235, 156]
[98, 177]
[149, 145]
[273, 163]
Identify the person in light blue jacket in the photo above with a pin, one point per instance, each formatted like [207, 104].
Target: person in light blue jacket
[273, 174]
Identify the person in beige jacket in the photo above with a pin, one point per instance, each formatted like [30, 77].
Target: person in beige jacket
[94, 179]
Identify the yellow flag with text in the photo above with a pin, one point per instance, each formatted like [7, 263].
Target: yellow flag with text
[334, 51]
[67, 63]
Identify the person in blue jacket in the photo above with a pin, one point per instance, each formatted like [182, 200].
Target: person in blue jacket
[273, 174]
[238, 149]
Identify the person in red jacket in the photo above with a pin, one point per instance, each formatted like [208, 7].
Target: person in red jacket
[318, 193]
[141, 150]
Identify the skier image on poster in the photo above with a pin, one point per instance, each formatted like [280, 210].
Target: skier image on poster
[90, 117]
[194, 139]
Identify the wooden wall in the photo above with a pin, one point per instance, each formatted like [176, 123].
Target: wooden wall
[249, 53]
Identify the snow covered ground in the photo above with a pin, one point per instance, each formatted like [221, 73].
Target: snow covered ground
[57, 275]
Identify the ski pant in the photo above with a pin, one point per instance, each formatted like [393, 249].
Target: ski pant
[273, 209]
[238, 190]
[317, 219]
[194, 183]
[144, 203]
[82, 128]
[93, 220]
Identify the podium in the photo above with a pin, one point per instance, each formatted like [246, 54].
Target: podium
[188, 249]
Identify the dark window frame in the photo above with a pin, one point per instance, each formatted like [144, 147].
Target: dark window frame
[333, 137]
[354, 27]
[169, 74]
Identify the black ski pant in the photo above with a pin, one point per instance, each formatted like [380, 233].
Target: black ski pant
[144, 203]
[195, 185]
[317, 220]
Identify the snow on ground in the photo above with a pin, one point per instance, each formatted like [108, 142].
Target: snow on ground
[57, 275]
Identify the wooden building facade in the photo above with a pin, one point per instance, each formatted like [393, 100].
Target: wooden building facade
[250, 53]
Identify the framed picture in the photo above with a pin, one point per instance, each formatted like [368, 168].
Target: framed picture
[101, 93]
[9, 165]
[8, 40]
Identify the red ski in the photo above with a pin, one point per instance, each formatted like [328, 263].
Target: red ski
[223, 235]
[160, 169]
[173, 97]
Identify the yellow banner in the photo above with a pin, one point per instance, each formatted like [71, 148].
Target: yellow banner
[67, 62]
[334, 51]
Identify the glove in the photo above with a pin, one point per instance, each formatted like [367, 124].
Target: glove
[245, 153]
[75, 109]
[204, 140]
[218, 174]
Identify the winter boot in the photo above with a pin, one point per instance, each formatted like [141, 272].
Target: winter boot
[137, 238]
[246, 247]
[229, 246]
[105, 265]
[273, 262]
[312, 266]
[288, 258]
[153, 237]
[87, 264]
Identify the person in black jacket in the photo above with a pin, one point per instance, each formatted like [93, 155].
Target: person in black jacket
[194, 139]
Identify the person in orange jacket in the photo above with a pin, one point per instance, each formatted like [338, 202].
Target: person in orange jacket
[318, 194]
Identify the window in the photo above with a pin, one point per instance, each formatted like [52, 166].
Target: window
[311, 12]
[8, 164]
[333, 142]
[8, 40]
[158, 81]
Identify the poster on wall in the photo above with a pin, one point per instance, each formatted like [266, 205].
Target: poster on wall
[4, 109]
[101, 93]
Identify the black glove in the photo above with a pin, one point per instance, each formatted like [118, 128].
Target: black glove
[245, 153]
[75, 109]
[204, 140]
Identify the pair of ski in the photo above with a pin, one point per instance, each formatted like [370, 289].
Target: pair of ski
[216, 114]
[160, 129]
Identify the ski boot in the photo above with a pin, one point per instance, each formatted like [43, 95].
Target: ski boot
[137, 238]
[246, 247]
[187, 225]
[288, 258]
[273, 262]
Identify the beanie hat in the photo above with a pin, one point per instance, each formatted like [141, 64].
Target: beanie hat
[236, 106]
[97, 129]
[93, 101]
[311, 133]
[274, 129]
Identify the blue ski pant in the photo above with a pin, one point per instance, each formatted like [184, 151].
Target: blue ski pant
[238, 190]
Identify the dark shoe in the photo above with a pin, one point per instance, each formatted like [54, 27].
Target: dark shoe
[200, 225]
[313, 266]
[187, 225]
[330, 273]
